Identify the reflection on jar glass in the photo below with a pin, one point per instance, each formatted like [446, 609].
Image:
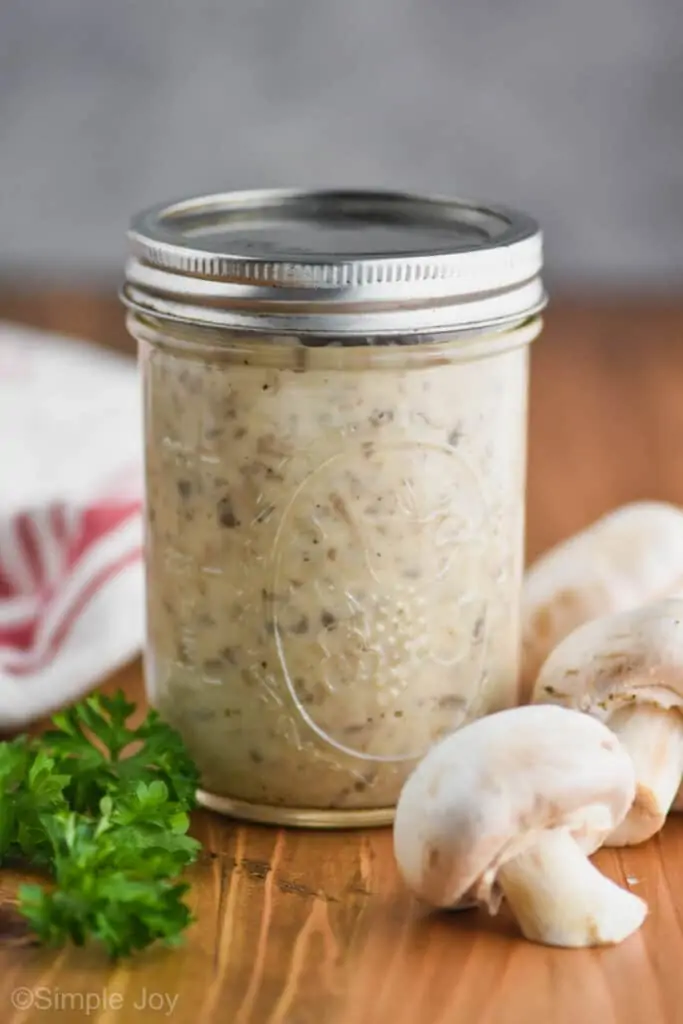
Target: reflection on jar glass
[335, 518]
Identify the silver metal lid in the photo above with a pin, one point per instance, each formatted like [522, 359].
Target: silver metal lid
[335, 263]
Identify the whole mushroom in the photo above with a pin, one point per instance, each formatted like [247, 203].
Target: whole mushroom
[628, 558]
[511, 806]
[627, 671]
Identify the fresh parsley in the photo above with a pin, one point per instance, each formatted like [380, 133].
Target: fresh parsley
[102, 807]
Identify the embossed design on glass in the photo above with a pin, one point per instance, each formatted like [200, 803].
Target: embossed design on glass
[397, 531]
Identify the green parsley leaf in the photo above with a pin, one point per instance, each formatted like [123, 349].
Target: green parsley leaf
[103, 807]
[105, 890]
[30, 788]
[93, 742]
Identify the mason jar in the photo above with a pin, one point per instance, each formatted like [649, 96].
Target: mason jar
[335, 403]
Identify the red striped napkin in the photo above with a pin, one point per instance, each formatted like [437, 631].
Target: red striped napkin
[71, 584]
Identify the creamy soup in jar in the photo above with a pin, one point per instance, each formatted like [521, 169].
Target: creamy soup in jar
[334, 552]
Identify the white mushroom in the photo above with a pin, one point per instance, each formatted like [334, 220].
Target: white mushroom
[628, 558]
[627, 670]
[512, 805]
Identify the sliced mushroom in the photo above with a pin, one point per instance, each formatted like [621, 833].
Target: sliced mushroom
[626, 559]
[627, 670]
[512, 805]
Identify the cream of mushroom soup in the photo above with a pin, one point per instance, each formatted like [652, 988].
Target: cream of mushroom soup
[334, 549]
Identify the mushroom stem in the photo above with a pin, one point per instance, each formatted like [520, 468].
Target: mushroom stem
[560, 899]
[653, 738]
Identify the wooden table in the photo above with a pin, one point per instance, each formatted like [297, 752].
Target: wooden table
[307, 928]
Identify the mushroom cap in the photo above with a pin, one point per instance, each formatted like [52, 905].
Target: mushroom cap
[626, 558]
[635, 656]
[485, 794]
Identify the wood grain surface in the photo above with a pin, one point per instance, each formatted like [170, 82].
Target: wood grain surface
[308, 928]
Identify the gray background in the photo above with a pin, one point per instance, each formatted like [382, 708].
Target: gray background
[573, 111]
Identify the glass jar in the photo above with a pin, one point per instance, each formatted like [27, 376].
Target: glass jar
[335, 404]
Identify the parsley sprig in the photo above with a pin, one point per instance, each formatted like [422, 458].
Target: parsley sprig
[102, 807]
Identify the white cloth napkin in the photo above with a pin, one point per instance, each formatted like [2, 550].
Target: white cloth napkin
[71, 582]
